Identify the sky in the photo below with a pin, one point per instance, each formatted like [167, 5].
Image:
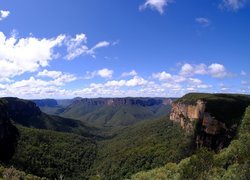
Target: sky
[121, 48]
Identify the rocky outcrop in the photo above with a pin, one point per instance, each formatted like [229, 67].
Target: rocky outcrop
[186, 114]
[193, 118]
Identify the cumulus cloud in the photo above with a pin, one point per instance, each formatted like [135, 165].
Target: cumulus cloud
[162, 76]
[189, 70]
[37, 88]
[104, 73]
[135, 81]
[233, 5]
[204, 22]
[28, 54]
[215, 70]
[158, 5]
[18, 56]
[4, 14]
[50, 74]
[131, 73]
[59, 78]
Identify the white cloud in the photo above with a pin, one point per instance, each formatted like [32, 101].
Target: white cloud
[38, 88]
[78, 46]
[50, 74]
[18, 56]
[59, 78]
[135, 81]
[217, 70]
[158, 5]
[233, 5]
[4, 14]
[195, 81]
[189, 70]
[100, 45]
[162, 76]
[204, 22]
[104, 73]
[131, 73]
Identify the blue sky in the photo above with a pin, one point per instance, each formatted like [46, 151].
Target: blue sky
[117, 48]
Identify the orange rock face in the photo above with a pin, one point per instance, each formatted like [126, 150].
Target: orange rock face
[186, 115]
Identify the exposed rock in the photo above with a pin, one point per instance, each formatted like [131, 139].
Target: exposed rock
[186, 114]
[194, 119]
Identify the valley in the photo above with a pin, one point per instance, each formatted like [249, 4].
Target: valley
[109, 138]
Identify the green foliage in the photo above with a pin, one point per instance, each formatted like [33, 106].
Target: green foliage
[27, 114]
[51, 154]
[232, 162]
[103, 115]
[14, 174]
[143, 146]
[227, 108]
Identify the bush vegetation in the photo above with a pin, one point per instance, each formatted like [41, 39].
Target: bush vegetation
[232, 162]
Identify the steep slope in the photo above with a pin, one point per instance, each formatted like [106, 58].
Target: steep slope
[8, 134]
[114, 112]
[213, 118]
[54, 154]
[232, 162]
[26, 113]
[49, 106]
[139, 147]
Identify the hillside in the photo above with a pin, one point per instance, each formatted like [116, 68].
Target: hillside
[26, 113]
[179, 140]
[53, 154]
[232, 162]
[142, 146]
[8, 134]
[109, 112]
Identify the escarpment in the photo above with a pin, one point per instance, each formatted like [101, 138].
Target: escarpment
[8, 135]
[212, 118]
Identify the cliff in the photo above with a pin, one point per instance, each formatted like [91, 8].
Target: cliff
[8, 134]
[212, 118]
[124, 101]
[22, 111]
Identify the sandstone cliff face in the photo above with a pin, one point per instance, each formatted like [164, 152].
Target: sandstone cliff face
[195, 116]
[187, 114]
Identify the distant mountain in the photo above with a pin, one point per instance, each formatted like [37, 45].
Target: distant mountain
[28, 114]
[109, 112]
